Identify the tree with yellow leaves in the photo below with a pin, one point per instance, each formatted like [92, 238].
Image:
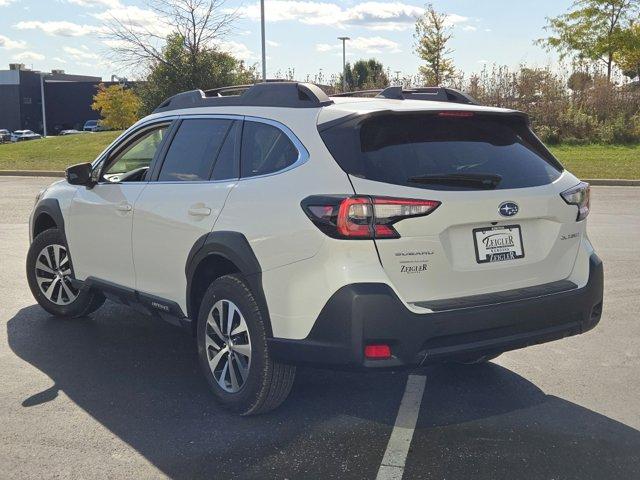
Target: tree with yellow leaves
[117, 105]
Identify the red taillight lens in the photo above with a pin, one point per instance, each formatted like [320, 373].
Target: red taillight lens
[377, 352]
[363, 217]
[455, 114]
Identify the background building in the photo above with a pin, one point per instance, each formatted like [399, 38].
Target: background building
[68, 99]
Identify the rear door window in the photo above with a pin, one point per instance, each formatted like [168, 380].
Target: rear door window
[194, 150]
[398, 148]
[265, 149]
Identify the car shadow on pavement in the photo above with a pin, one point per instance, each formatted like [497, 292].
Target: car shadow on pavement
[140, 379]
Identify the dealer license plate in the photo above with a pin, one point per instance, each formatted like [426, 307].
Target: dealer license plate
[498, 244]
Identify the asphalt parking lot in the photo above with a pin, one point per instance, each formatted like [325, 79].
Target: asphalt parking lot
[119, 395]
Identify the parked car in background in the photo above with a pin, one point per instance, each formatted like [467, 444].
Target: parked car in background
[23, 135]
[70, 132]
[5, 135]
[92, 126]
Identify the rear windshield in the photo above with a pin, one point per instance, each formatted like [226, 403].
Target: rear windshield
[398, 148]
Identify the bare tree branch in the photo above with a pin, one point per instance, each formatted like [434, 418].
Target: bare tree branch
[200, 24]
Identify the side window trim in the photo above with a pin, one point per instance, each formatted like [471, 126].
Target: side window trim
[123, 142]
[303, 153]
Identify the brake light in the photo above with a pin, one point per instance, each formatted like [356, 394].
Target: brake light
[456, 114]
[580, 195]
[363, 217]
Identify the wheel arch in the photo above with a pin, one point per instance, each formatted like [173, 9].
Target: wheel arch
[221, 253]
[46, 215]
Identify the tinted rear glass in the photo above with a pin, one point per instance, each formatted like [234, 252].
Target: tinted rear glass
[396, 148]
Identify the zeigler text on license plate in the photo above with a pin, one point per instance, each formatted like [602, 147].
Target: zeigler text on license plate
[498, 244]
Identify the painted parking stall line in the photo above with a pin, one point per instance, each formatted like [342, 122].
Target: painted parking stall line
[395, 456]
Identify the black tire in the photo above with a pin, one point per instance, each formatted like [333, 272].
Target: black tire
[267, 383]
[87, 300]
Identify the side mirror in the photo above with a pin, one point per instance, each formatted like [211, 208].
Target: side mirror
[79, 174]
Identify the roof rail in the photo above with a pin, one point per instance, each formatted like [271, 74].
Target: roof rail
[267, 94]
[436, 94]
[358, 93]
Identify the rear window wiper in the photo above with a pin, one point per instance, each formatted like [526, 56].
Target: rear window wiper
[478, 180]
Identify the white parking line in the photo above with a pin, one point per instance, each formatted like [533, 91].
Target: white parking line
[395, 457]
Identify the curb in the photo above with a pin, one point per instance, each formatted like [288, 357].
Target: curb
[596, 182]
[613, 182]
[31, 173]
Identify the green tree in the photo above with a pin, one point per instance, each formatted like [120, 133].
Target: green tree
[432, 34]
[118, 106]
[628, 57]
[592, 29]
[178, 71]
[365, 75]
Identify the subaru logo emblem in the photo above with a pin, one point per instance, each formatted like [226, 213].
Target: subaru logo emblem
[508, 209]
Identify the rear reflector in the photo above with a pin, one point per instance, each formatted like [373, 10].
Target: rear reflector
[377, 352]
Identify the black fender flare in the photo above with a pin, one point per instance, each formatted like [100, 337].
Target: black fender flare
[234, 247]
[51, 207]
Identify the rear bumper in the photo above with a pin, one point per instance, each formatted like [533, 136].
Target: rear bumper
[371, 313]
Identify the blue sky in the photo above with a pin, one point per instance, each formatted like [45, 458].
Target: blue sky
[46, 34]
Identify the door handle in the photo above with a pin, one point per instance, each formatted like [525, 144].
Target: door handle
[124, 207]
[200, 211]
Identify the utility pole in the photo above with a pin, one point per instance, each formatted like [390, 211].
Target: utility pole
[398, 72]
[264, 48]
[344, 62]
[44, 110]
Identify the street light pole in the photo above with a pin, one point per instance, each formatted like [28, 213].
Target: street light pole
[44, 110]
[344, 62]
[264, 49]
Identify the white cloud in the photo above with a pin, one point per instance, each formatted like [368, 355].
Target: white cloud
[82, 53]
[371, 15]
[237, 49]
[134, 17]
[96, 3]
[368, 45]
[59, 60]
[28, 55]
[6, 42]
[62, 28]
[271, 43]
[469, 28]
[4, 3]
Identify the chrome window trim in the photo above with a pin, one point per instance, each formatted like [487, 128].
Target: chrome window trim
[303, 153]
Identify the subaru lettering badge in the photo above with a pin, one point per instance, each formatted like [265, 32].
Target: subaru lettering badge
[508, 209]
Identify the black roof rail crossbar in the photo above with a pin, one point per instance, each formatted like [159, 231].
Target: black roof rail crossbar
[220, 91]
[436, 94]
[268, 94]
[358, 93]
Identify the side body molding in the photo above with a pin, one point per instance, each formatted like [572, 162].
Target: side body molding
[234, 247]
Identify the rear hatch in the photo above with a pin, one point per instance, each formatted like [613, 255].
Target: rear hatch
[501, 224]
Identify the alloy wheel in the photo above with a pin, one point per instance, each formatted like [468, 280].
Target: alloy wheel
[53, 275]
[228, 346]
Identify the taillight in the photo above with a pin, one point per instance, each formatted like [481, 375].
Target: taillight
[456, 114]
[363, 217]
[580, 195]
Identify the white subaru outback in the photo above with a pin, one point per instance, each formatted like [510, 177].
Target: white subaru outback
[285, 227]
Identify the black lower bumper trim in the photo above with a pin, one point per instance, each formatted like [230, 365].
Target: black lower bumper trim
[371, 313]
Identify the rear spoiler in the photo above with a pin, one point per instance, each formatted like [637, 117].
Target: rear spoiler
[365, 116]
